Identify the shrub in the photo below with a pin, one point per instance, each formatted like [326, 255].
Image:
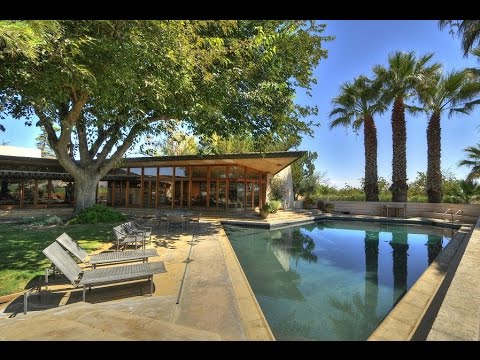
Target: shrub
[308, 203]
[321, 205]
[98, 214]
[329, 207]
[275, 204]
[452, 199]
[44, 220]
[418, 198]
[268, 207]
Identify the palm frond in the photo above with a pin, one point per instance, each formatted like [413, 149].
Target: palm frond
[341, 121]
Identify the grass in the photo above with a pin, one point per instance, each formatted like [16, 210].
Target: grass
[21, 245]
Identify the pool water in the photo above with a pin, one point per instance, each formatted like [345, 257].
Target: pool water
[334, 280]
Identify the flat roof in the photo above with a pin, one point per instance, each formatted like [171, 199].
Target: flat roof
[271, 162]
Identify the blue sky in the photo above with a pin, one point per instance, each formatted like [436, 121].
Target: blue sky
[358, 46]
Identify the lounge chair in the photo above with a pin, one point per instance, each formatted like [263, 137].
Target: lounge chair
[106, 275]
[124, 239]
[104, 258]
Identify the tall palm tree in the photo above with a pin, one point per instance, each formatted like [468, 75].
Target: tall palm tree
[405, 71]
[468, 30]
[355, 106]
[473, 161]
[454, 92]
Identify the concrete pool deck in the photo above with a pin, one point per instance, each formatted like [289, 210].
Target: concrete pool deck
[216, 301]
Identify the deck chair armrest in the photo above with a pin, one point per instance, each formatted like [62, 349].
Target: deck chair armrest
[141, 227]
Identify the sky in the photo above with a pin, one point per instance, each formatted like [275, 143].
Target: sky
[358, 46]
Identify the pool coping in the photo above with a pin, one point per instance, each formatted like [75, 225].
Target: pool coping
[405, 319]
[254, 321]
[270, 225]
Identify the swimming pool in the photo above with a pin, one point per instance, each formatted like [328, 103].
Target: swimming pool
[333, 280]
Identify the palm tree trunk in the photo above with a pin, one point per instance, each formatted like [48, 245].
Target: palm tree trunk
[370, 143]
[434, 173]
[399, 161]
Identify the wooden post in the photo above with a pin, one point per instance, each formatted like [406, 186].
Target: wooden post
[208, 187]
[173, 186]
[189, 187]
[244, 188]
[21, 192]
[156, 187]
[142, 187]
[49, 192]
[35, 194]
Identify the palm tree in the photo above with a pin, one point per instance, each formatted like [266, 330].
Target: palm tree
[467, 190]
[469, 30]
[404, 73]
[454, 92]
[473, 161]
[355, 106]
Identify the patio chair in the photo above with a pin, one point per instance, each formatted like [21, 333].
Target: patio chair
[175, 220]
[133, 228]
[159, 217]
[124, 239]
[105, 258]
[107, 275]
[194, 219]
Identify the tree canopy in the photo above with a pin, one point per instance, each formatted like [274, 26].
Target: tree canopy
[107, 83]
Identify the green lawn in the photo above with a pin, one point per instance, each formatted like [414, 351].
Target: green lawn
[21, 257]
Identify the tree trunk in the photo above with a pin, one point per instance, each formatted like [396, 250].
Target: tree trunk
[370, 143]
[434, 173]
[85, 190]
[399, 161]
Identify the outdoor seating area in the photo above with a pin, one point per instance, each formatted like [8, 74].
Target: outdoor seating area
[176, 219]
[106, 275]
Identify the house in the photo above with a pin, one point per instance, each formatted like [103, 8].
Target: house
[228, 182]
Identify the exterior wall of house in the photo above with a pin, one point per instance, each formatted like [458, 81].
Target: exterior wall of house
[286, 180]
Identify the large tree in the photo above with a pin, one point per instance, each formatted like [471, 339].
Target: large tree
[404, 72]
[356, 105]
[25, 39]
[107, 84]
[456, 93]
[304, 178]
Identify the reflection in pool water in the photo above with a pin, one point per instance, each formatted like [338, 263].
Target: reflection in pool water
[333, 280]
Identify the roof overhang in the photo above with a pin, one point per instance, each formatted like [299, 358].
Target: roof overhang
[271, 162]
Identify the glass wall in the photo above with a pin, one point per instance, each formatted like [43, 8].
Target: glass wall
[149, 186]
[203, 187]
[102, 192]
